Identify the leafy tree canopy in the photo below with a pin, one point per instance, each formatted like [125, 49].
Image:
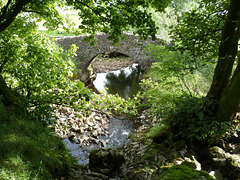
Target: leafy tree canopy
[36, 69]
[42, 9]
[112, 17]
[199, 31]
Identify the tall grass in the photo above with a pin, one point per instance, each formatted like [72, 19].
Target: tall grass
[29, 150]
[200, 80]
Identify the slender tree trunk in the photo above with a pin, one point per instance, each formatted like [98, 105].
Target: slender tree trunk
[9, 96]
[230, 101]
[227, 52]
[226, 89]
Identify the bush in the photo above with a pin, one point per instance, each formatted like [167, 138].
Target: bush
[193, 118]
[172, 77]
[37, 69]
[110, 103]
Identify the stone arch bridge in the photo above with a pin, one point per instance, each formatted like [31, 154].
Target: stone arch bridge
[131, 46]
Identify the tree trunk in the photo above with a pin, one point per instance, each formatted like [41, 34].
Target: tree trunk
[9, 96]
[10, 11]
[230, 101]
[227, 52]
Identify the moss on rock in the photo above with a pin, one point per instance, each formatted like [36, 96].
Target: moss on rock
[106, 161]
[183, 172]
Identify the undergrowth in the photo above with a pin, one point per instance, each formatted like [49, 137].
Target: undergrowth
[193, 119]
[109, 103]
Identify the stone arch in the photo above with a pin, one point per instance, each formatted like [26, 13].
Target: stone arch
[131, 45]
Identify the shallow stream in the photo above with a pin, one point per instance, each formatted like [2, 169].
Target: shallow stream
[119, 131]
[125, 83]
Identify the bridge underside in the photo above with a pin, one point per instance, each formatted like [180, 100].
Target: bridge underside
[103, 63]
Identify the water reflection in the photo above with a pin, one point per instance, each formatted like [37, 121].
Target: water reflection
[123, 82]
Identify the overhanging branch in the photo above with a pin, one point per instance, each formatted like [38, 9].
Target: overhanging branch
[31, 11]
[9, 16]
[4, 9]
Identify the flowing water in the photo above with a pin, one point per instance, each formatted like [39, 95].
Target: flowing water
[125, 83]
[119, 130]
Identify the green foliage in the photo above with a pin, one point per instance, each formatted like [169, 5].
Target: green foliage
[75, 95]
[187, 117]
[162, 87]
[56, 33]
[42, 62]
[199, 81]
[199, 31]
[168, 18]
[157, 98]
[36, 10]
[114, 17]
[29, 150]
[180, 68]
[197, 35]
[170, 63]
[173, 95]
[173, 75]
[194, 119]
[158, 131]
[109, 103]
[181, 6]
[37, 69]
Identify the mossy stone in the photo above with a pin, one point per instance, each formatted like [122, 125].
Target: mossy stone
[189, 164]
[183, 172]
[179, 145]
[216, 152]
[105, 161]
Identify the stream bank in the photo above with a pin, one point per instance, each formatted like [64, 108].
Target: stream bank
[81, 133]
[144, 159]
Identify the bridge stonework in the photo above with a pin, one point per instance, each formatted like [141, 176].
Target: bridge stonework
[131, 46]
